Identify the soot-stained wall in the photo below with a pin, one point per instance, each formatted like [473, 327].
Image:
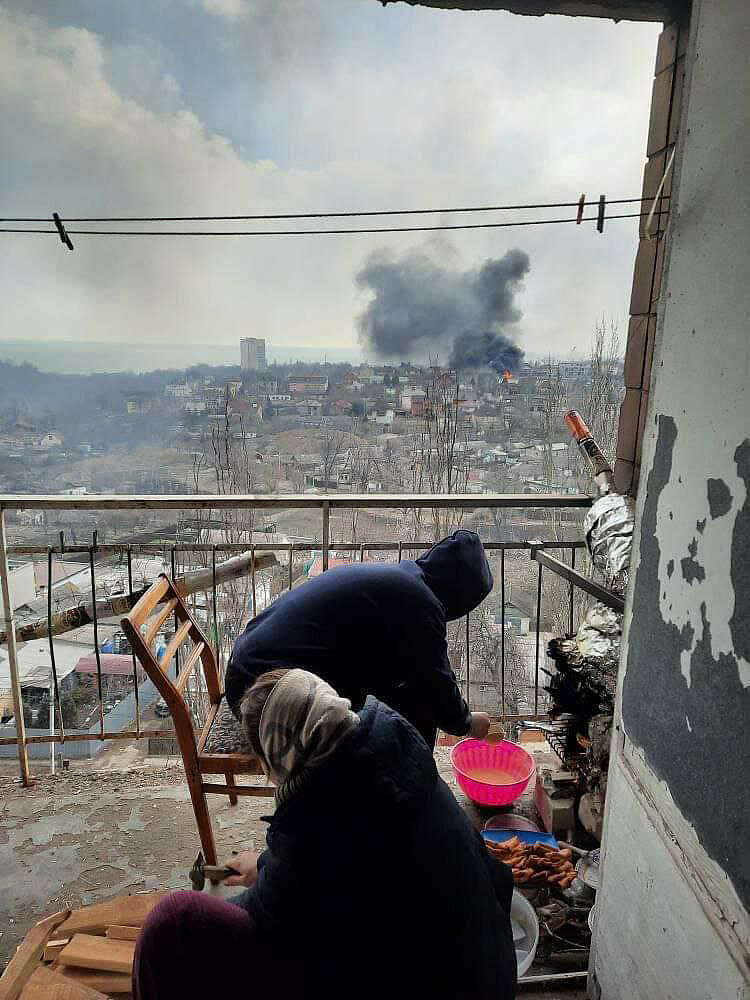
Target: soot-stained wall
[684, 702]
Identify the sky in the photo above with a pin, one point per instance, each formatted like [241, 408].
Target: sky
[182, 107]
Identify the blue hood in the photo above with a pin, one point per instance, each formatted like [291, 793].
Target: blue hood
[457, 572]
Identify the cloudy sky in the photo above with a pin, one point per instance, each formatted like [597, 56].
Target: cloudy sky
[180, 107]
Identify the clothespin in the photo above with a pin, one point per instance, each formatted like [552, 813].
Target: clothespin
[64, 238]
[581, 205]
[600, 214]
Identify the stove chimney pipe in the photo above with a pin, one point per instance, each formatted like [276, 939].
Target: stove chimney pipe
[603, 475]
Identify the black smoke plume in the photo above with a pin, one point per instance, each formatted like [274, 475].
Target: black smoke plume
[423, 306]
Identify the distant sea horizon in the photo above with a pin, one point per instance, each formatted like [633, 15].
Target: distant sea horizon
[84, 357]
[80, 357]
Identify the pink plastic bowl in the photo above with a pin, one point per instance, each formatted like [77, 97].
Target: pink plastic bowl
[503, 755]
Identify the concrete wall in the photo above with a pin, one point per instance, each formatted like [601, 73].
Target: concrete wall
[672, 916]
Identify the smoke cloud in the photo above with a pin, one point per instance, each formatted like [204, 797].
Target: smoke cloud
[423, 305]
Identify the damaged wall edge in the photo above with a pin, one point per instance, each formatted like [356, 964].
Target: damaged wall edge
[617, 10]
[675, 872]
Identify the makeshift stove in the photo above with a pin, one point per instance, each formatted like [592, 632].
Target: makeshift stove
[582, 687]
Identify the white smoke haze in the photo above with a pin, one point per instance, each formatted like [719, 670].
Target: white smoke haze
[249, 106]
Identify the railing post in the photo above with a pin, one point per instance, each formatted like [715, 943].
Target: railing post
[15, 682]
[326, 532]
[572, 566]
[468, 665]
[534, 546]
[502, 633]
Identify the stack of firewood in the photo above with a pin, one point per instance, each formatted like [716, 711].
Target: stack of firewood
[84, 954]
[582, 691]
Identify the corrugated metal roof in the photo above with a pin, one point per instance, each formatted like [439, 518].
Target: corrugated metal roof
[112, 664]
[34, 663]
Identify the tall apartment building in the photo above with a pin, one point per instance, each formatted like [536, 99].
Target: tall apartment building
[253, 354]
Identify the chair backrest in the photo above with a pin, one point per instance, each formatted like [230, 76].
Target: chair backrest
[143, 626]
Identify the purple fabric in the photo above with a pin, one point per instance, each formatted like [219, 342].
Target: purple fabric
[195, 945]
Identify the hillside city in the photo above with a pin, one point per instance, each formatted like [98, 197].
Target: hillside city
[313, 429]
[306, 428]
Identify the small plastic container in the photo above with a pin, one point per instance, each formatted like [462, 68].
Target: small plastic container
[509, 759]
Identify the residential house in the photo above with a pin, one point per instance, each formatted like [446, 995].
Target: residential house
[308, 385]
[49, 440]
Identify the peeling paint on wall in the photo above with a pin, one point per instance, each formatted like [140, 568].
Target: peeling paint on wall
[686, 688]
[719, 498]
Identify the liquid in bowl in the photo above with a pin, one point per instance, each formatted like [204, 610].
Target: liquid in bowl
[490, 775]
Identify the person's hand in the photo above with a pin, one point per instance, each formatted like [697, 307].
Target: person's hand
[246, 864]
[480, 724]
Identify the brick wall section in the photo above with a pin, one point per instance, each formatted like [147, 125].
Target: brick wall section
[666, 98]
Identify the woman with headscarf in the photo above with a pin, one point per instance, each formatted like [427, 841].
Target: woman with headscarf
[373, 882]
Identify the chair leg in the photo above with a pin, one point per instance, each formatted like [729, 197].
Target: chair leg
[233, 799]
[202, 815]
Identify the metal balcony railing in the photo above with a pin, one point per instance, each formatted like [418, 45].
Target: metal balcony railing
[247, 561]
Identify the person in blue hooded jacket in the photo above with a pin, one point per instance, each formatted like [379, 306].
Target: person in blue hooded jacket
[379, 629]
[373, 882]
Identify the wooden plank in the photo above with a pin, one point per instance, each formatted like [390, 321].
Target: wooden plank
[128, 910]
[108, 983]
[123, 933]
[28, 956]
[49, 984]
[53, 948]
[123, 734]
[153, 595]
[87, 951]
[235, 763]
[264, 790]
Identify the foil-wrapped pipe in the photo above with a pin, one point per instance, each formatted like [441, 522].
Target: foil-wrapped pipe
[608, 529]
[608, 525]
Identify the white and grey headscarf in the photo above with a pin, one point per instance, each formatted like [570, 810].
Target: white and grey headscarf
[302, 722]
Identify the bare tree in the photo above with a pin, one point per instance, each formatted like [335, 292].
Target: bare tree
[482, 653]
[332, 447]
[361, 465]
[554, 393]
[232, 468]
[603, 396]
[440, 454]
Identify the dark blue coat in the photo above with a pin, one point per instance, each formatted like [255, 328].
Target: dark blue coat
[374, 883]
[375, 629]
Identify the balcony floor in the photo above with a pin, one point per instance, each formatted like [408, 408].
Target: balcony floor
[84, 835]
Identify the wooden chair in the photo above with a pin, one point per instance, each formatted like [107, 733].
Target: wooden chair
[221, 747]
